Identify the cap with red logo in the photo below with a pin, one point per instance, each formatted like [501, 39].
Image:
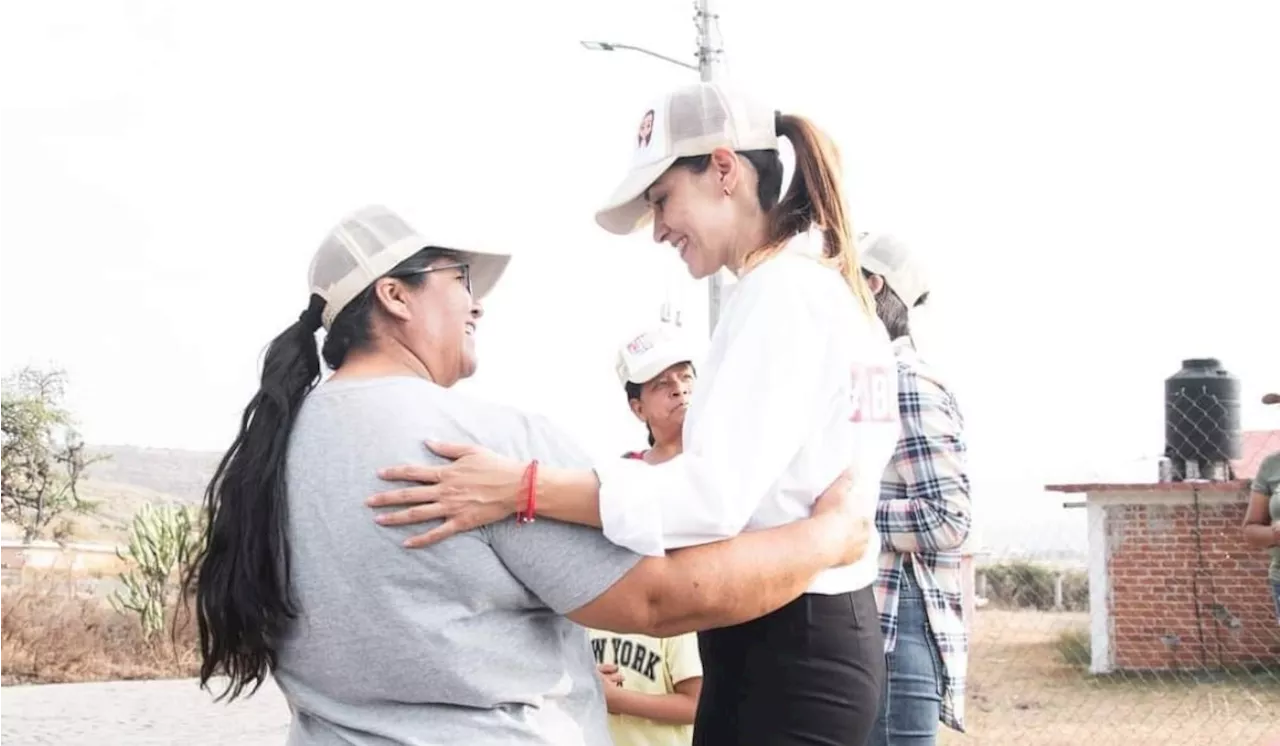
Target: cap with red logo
[692, 120]
[645, 357]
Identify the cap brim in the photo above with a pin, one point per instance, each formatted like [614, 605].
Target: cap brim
[867, 258]
[655, 368]
[486, 269]
[627, 210]
[1271, 399]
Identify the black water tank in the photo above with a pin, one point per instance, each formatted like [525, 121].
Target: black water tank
[1201, 416]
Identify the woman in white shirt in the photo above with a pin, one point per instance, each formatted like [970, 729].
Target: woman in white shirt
[799, 385]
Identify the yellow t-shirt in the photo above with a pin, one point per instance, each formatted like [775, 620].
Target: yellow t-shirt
[649, 665]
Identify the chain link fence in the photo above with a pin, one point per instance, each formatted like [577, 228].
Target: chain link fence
[1166, 633]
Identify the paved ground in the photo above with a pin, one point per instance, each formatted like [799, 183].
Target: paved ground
[139, 713]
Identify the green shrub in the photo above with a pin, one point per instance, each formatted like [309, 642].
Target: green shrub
[1075, 590]
[1075, 647]
[1026, 585]
[163, 542]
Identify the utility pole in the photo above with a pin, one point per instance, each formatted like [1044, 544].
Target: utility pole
[708, 55]
[707, 50]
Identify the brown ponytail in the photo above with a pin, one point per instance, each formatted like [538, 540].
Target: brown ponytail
[815, 198]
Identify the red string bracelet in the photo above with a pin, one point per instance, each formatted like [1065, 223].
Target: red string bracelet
[531, 506]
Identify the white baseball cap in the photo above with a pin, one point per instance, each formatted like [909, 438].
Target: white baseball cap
[888, 256]
[644, 358]
[694, 120]
[368, 244]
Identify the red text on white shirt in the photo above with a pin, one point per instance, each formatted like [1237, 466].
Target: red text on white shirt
[873, 394]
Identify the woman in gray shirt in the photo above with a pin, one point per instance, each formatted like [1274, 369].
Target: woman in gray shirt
[470, 640]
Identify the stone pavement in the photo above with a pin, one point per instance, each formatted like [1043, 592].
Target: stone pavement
[139, 713]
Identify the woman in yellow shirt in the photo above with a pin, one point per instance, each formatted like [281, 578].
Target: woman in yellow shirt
[651, 687]
[652, 684]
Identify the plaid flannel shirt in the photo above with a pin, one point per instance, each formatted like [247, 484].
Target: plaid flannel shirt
[923, 515]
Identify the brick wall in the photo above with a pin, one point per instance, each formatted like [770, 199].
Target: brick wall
[1156, 572]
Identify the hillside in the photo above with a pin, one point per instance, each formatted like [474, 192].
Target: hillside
[1037, 528]
[115, 505]
[130, 477]
[182, 474]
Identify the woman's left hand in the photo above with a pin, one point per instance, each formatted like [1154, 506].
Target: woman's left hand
[610, 674]
[479, 487]
[612, 679]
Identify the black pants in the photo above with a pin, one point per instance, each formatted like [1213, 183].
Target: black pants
[811, 672]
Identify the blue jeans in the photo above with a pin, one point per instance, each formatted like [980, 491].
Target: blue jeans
[912, 699]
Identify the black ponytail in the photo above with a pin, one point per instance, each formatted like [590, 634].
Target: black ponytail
[241, 578]
[242, 592]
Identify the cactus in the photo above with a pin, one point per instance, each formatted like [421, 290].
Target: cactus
[163, 542]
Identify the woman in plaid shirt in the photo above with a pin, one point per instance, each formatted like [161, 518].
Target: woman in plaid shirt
[923, 519]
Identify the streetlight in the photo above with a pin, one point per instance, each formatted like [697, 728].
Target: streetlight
[707, 55]
[608, 46]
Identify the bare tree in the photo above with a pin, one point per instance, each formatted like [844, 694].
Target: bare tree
[43, 456]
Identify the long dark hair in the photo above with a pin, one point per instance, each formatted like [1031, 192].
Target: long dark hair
[893, 312]
[241, 578]
[815, 198]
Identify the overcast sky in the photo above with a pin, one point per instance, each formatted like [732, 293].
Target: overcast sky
[1094, 182]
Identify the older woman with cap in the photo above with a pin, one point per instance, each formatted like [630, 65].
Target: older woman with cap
[657, 681]
[1262, 517]
[798, 386]
[923, 520]
[467, 641]
[657, 370]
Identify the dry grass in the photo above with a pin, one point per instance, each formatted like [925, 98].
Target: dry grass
[1023, 690]
[51, 634]
[1027, 679]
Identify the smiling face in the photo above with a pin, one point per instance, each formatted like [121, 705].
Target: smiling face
[702, 213]
[435, 321]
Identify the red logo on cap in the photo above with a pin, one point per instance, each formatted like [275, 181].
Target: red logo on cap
[640, 344]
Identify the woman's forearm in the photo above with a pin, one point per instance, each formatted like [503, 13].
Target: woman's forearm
[753, 574]
[1259, 536]
[569, 495]
[677, 709]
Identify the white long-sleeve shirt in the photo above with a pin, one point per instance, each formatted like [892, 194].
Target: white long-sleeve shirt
[799, 384]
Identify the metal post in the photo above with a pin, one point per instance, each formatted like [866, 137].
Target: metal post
[707, 53]
[707, 50]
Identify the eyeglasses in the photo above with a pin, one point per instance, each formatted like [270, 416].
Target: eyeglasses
[465, 269]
